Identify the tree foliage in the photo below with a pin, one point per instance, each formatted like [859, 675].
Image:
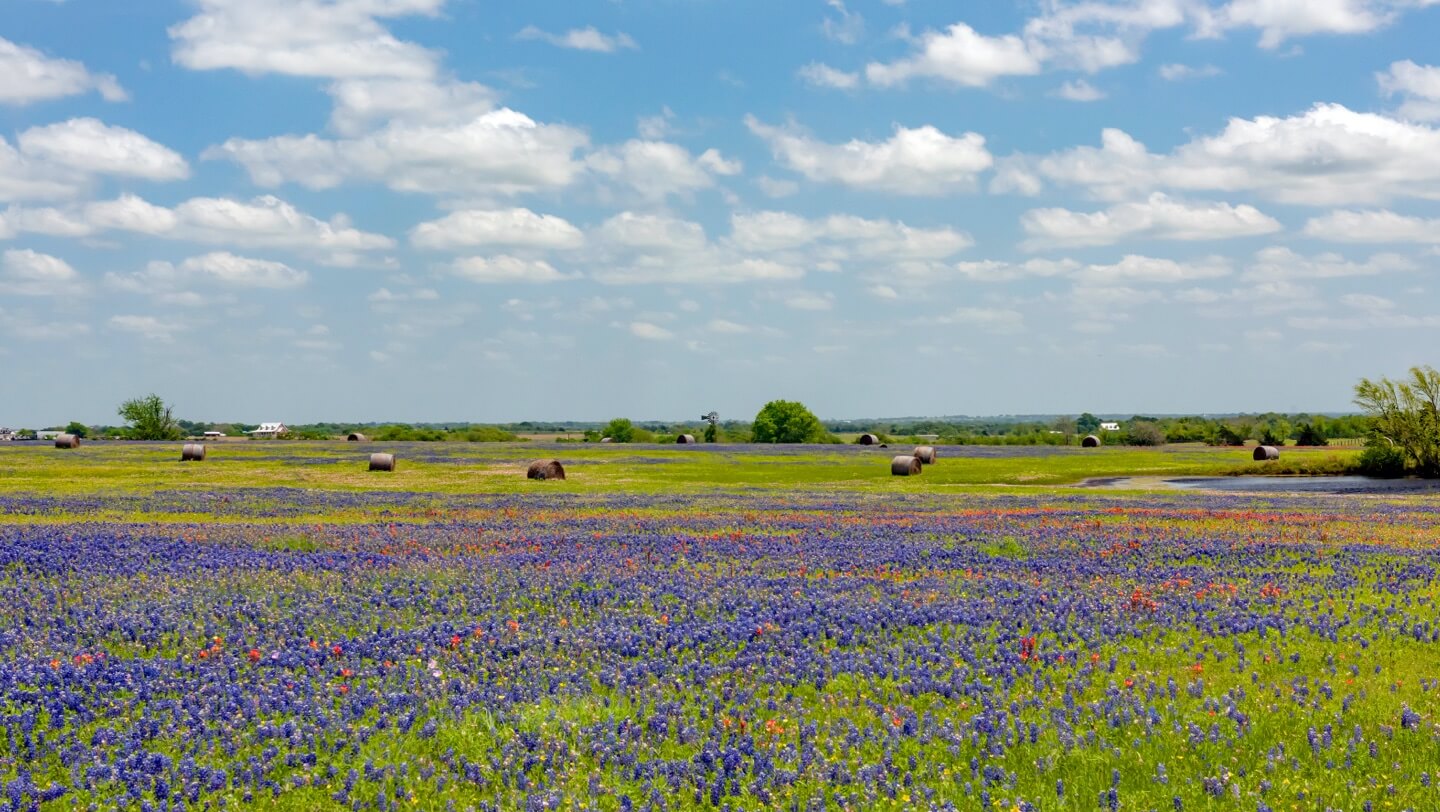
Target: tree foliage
[148, 418]
[78, 429]
[619, 430]
[1407, 413]
[788, 421]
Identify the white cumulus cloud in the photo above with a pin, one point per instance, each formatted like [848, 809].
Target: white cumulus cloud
[1160, 217]
[27, 75]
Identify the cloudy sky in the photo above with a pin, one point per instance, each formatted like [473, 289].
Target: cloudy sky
[479, 210]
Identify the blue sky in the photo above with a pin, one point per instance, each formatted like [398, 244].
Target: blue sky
[468, 210]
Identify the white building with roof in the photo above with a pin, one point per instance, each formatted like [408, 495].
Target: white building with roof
[269, 431]
[1109, 426]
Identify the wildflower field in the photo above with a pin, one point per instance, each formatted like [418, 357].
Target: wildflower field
[279, 629]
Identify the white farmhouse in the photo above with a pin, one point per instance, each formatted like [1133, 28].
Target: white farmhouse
[1109, 426]
[269, 431]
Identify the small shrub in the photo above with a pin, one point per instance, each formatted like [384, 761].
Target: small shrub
[1382, 459]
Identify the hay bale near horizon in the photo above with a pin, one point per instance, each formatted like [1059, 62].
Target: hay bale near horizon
[925, 454]
[67, 441]
[382, 462]
[868, 439]
[607, 439]
[356, 437]
[192, 452]
[1090, 441]
[1266, 453]
[545, 469]
[905, 466]
[685, 439]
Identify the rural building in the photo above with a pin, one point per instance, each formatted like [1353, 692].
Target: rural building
[214, 435]
[268, 431]
[7, 435]
[48, 434]
[1109, 426]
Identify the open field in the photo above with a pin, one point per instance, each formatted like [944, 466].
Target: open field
[719, 628]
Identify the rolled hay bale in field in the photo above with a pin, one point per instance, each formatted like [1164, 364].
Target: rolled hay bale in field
[685, 439]
[925, 454]
[382, 462]
[1090, 441]
[607, 439]
[192, 452]
[1266, 453]
[868, 439]
[356, 437]
[905, 466]
[67, 441]
[545, 469]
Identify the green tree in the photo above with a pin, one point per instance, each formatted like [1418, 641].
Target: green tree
[148, 418]
[1312, 434]
[78, 429]
[786, 421]
[619, 430]
[1087, 424]
[1144, 432]
[1407, 413]
[712, 434]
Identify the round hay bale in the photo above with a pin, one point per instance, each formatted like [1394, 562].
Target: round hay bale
[356, 437]
[382, 462]
[905, 466]
[192, 452]
[1090, 441]
[607, 439]
[685, 439]
[1266, 453]
[67, 441]
[925, 454]
[868, 439]
[545, 469]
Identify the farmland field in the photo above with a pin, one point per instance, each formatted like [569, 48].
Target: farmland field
[708, 628]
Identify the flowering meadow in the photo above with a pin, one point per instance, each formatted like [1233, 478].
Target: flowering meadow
[808, 649]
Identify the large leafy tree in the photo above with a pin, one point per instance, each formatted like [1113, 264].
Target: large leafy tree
[619, 430]
[1407, 413]
[788, 421]
[148, 418]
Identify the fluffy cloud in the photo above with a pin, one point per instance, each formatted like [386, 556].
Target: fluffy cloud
[632, 248]
[818, 75]
[1157, 218]
[581, 39]
[90, 146]
[922, 161]
[1418, 85]
[516, 228]
[27, 75]
[505, 270]
[650, 332]
[29, 273]
[362, 104]
[1080, 90]
[321, 38]
[59, 161]
[1373, 227]
[1328, 155]
[657, 169]
[1134, 268]
[265, 222]
[843, 237]
[1280, 20]
[218, 267]
[959, 55]
[501, 152]
[1178, 73]
[1278, 263]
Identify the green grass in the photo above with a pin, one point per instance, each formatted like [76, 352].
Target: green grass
[499, 468]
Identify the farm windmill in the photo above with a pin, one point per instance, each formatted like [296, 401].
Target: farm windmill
[711, 431]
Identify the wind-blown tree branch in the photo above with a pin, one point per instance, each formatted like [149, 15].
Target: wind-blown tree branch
[149, 419]
[1407, 413]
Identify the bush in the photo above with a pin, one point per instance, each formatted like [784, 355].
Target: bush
[1382, 459]
[1311, 434]
[1144, 433]
[619, 430]
[785, 421]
